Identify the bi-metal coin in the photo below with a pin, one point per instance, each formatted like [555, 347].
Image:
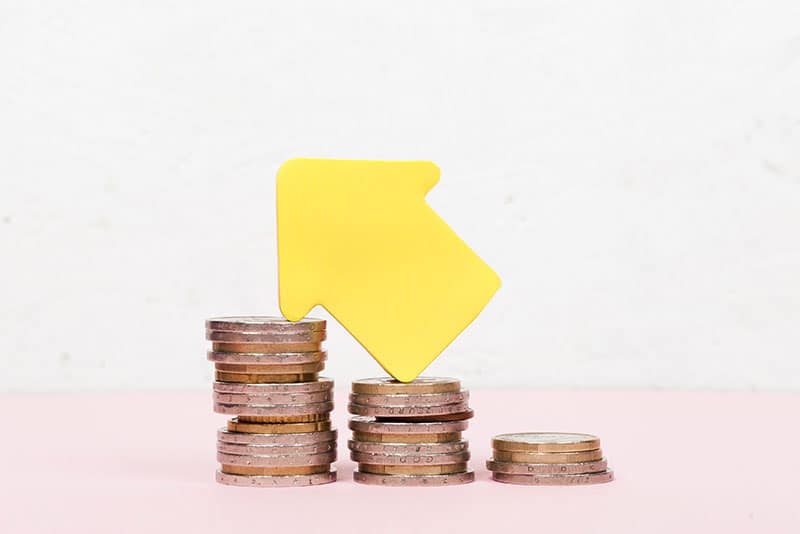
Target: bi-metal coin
[545, 442]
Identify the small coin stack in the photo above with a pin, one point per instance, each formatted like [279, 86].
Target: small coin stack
[548, 459]
[267, 377]
[409, 434]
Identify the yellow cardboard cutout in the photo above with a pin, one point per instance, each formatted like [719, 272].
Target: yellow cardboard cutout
[358, 238]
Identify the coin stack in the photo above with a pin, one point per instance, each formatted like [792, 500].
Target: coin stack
[267, 377]
[409, 434]
[548, 459]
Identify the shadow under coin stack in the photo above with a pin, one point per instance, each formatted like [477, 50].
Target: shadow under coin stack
[548, 459]
[409, 434]
[267, 377]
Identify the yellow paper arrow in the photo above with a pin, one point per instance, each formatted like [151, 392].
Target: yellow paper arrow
[358, 238]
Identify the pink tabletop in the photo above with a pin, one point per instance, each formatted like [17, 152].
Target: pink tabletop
[685, 462]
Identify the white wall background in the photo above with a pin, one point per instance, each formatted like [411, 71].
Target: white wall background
[630, 169]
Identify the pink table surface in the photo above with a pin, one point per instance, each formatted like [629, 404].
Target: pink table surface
[685, 462]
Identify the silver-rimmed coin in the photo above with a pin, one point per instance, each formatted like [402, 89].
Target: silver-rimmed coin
[274, 409]
[304, 438]
[263, 481]
[407, 411]
[410, 459]
[275, 450]
[276, 460]
[273, 398]
[258, 358]
[546, 469]
[372, 447]
[555, 480]
[321, 384]
[312, 336]
[545, 442]
[264, 324]
[427, 399]
[414, 480]
[361, 423]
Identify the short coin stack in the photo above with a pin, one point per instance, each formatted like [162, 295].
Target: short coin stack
[409, 434]
[548, 459]
[267, 377]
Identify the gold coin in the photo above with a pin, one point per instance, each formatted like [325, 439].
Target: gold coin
[375, 437]
[307, 418]
[276, 369]
[547, 457]
[245, 378]
[545, 442]
[267, 348]
[234, 425]
[445, 469]
[275, 471]
[390, 386]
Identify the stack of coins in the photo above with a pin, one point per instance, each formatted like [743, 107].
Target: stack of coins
[267, 377]
[548, 459]
[409, 434]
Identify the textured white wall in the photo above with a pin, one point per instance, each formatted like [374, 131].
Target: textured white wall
[630, 169]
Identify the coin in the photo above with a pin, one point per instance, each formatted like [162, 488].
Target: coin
[555, 480]
[312, 336]
[546, 469]
[244, 378]
[414, 480]
[266, 348]
[459, 416]
[287, 369]
[278, 460]
[277, 481]
[375, 437]
[388, 386]
[408, 411]
[273, 450]
[545, 442]
[425, 399]
[280, 358]
[320, 384]
[276, 439]
[370, 424]
[548, 457]
[278, 428]
[264, 324]
[304, 418]
[407, 448]
[272, 398]
[410, 459]
[273, 409]
[412, 469]
[274, 471]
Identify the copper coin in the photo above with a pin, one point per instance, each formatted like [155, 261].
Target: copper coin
[414, 480]
[361, 423]
[407, 448]
[312, 336]
[412, 469]
[405, 439]
[278, 460]
[264, 324]
[275, 439]
[546, 469]
[275, 450]
[256, 358]
[545, 442]
[234, 425]
[321, 384]
[244, 378]
[274, 471]
[276, 481]
[408, 411]
[266, 348]
[274, 409]
[460, 416]
[427, 399]
[390, 386]
[555, 480]
[548, 457]
[288, 369]
[410, 459]
[272, 398]
[306, 418]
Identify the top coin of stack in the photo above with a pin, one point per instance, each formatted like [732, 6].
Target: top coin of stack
[267, 374]
[409, 434]
[548, 459]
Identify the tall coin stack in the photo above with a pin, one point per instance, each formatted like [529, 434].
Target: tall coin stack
[548, 459]
[409, 434]
[267, 376]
